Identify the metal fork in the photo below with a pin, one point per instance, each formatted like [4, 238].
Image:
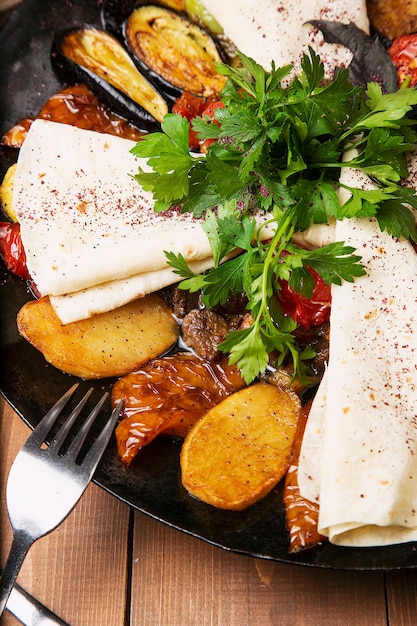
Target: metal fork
[44, 483]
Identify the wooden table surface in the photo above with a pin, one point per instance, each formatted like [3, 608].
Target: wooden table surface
[107, 565]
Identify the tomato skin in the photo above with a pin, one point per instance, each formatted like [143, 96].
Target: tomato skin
[189, 106]
[209, 111]
[403, 53]
[12, 250]
[307, 312]
[212, 106]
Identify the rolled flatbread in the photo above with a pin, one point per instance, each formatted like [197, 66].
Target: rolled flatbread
[108, 296]
[92, 238]
[273, 30]
[84, 218]
[359, 452]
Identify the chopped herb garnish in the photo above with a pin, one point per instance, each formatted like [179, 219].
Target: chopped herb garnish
[280, 145]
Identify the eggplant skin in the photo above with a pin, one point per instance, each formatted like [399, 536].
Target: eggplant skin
[174, 48]
[94, 57]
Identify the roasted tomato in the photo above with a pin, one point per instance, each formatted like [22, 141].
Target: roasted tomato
[209, 112]
[403, 53]
[307, 312]
[190, 106]
[301, 515]
[11, 249]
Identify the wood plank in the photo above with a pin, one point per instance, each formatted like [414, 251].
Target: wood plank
[180, 580]
[402, 598]
[80, 575]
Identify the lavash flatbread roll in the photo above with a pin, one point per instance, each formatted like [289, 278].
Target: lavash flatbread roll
[86, 224]
[84, 219]
[108, 296]
[359, 452]
[273, 30]
[92, 238]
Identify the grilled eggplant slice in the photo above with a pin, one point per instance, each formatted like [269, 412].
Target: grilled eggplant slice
[174, 48]
[94, 57]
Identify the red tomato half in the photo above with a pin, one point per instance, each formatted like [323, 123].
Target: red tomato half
[307, 312]
[190, 106]
[11, 249]
[209, 111]
[403, 53]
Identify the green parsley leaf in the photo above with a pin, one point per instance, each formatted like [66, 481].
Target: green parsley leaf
[193, 282]
[280, 144]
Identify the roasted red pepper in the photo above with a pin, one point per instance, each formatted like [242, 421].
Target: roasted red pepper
[11, 249]
[307, 312]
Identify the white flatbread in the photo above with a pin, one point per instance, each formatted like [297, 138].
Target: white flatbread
[92, 238]
[108, 296]
[359, 452]
[274, 30]
[84, 219]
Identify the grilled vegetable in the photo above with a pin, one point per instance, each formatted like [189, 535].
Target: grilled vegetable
[12, 250]
[198, 13]
[94, 57]
[167, 396]
[175, 49]
[105, 345]
[78, 106]
[403, 52]
[6, 193]
[241, 448]
[301, 515]
[392, 18]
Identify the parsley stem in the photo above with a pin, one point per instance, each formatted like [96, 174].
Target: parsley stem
[275, 247]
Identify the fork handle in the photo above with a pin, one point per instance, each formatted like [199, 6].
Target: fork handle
[21, 543]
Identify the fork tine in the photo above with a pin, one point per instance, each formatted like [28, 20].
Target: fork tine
[39, 435]
[94, 454]
[62, 433]
[42, 488]
[79, 439]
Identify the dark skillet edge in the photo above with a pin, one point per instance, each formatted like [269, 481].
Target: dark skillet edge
[152, 486]
[30, 385]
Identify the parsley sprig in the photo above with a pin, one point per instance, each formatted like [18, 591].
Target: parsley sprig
[280, 144]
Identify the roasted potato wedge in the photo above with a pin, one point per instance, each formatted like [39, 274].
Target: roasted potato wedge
[241, 448]
[168, 395]
[108, 344]
[392, 18]
[6, 193]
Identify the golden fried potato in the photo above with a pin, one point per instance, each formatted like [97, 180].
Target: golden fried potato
[6, 193]
[108, 344]
[241, 448]
[168, 395]
[392, 18]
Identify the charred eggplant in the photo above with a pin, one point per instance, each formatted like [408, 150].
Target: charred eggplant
[94, 57]
[175, 49]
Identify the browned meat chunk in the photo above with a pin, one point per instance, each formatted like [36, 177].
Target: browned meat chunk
[202, 331]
